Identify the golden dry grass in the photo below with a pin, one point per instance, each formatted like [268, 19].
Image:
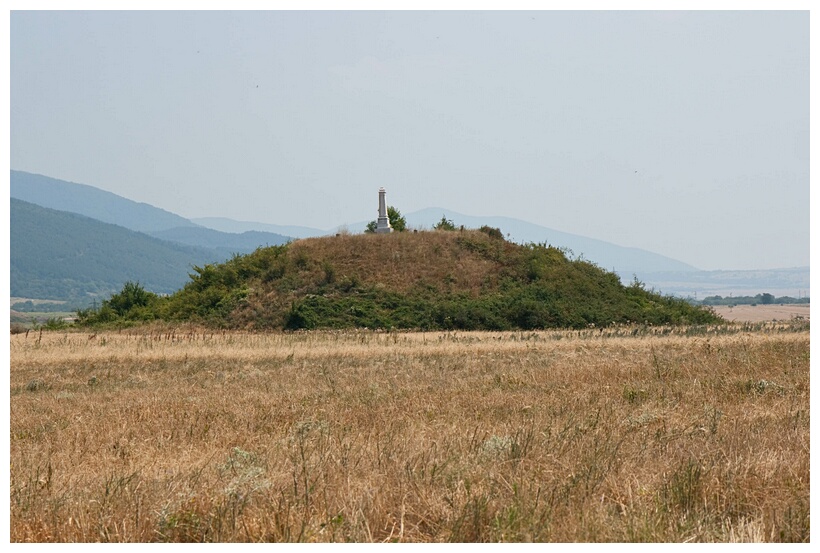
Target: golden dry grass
[363, 436]
[760, 313]
[433, 256]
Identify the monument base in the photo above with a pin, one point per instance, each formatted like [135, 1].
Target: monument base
[383, 225]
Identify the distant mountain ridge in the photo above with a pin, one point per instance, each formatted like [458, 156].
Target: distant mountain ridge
[92, 202]
[72, 241]
[141, 217]
[225, 224]
[227, 243]
[61, 255]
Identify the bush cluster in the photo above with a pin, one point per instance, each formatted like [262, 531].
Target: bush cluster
[131, 304]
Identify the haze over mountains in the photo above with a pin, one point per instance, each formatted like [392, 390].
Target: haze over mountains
[56, 268]
[92, 202]
[223, 224]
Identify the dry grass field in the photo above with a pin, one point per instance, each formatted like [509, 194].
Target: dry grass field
[622, 435]
[760, 313]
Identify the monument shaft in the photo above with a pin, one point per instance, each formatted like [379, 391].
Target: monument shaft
[383, 222]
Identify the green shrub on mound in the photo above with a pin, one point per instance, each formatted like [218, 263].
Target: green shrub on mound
[469, 280]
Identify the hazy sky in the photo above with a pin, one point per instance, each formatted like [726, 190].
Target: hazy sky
[683, 133]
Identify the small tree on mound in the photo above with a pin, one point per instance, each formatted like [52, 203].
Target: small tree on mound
[492, 232]
[445, 224]
[133, 302]
[132, 295]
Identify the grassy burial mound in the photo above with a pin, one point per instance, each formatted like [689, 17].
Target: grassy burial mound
[471, 280]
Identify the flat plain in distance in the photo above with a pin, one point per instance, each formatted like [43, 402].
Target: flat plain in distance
[763, 313]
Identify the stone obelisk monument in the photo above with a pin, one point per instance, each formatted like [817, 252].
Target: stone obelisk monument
[383, 223]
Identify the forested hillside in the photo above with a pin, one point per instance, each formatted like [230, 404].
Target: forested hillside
[59, 255]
